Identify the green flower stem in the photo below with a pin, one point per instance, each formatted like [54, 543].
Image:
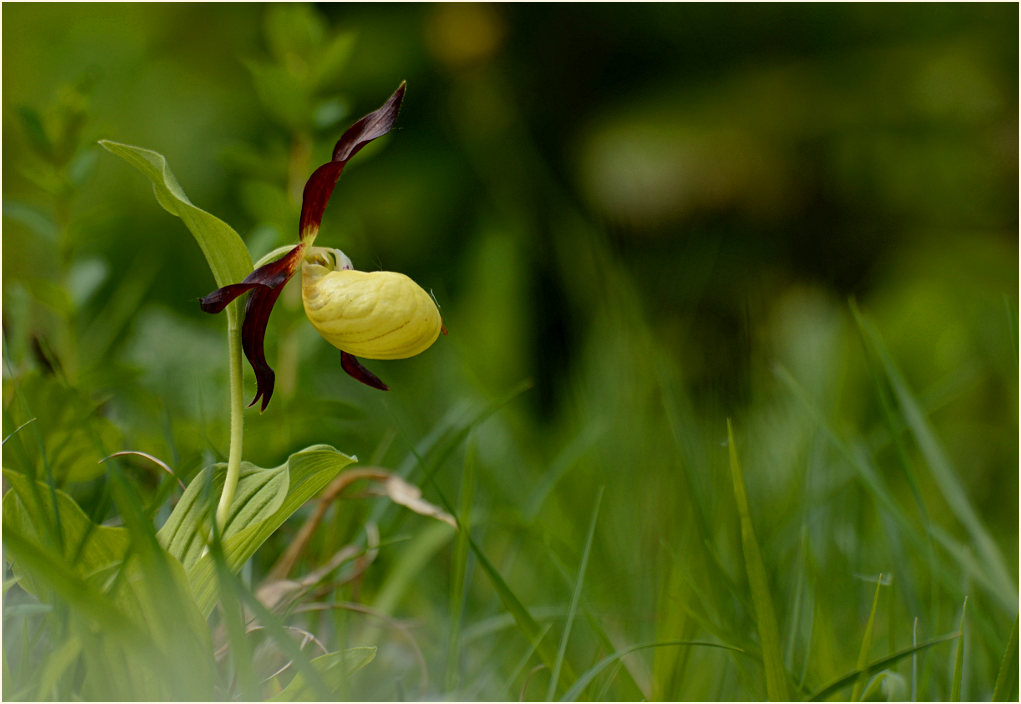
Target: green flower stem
[237, 418]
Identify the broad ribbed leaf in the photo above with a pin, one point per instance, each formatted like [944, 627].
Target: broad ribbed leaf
[223, 248]
[260, 492]
[85, 548]
[265, 499]
[129, 605]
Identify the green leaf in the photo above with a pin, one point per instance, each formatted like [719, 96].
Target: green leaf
[31, 217]
[259, 494]
[73, 432]
[769, 632]
[955, 682]
[876, 665]
[866, 643]
[286, 99]
[943, 472]
[121, 659]
[459, 568]
[885, 686]
[60, 580]
[174, 659]
[558, 665]
[96, 569]
[293, 30]
[84, 548]
[130, 606]
[579, 686]
[519, 612]
[332, 61]
[1007, 678]
[57, 663]
[32, 123]
[223, 248]
[265, 499]
[334, 668]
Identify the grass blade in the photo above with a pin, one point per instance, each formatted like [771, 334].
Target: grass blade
[941, 468]
[914, 661]
[1006, 679]
[518, 612]
[232, 588]
[579, 686]
[765, 617]
[459, 569]
[574, 599]
[443, 444]
[955, 687]
[866, 643]
[883, 662]
[57, 664]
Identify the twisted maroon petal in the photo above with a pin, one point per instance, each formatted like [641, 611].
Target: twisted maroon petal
[253, 338]
[265, 284]
[375, 124]
[320, 185]
[350, 364]
[273, 274]
[218, 299]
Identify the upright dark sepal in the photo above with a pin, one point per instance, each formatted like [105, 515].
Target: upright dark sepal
[320, 185]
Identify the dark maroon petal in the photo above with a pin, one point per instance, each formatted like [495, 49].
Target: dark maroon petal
[218, 299]
[273, 274]
[270, 280]
[320, 185]
[253, 338]
[317, 194]
[373, 125]
[265, 284]
[352, 366]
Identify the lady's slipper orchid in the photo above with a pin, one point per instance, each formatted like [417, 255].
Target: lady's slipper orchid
[378, 314]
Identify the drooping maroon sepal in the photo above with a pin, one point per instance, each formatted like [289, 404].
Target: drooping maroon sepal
[253, 338]
[265, 284]
[320, 185]
[350, 364]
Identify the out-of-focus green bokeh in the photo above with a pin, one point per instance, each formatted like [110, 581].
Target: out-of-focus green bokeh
[655, 213]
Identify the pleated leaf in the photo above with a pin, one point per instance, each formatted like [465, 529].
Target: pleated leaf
[265, 498]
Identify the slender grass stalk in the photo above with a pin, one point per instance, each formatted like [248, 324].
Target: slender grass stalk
[1008, 668]
[866, 643]
[237, 418]
[765, 616]
[459, 570]
[914, 661]
[555, 677]
[955, 686]
[876, 665]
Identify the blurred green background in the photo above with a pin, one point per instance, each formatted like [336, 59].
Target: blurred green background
[656, 216]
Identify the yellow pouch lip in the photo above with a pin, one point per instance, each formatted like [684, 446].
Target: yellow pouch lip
[375, 315]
